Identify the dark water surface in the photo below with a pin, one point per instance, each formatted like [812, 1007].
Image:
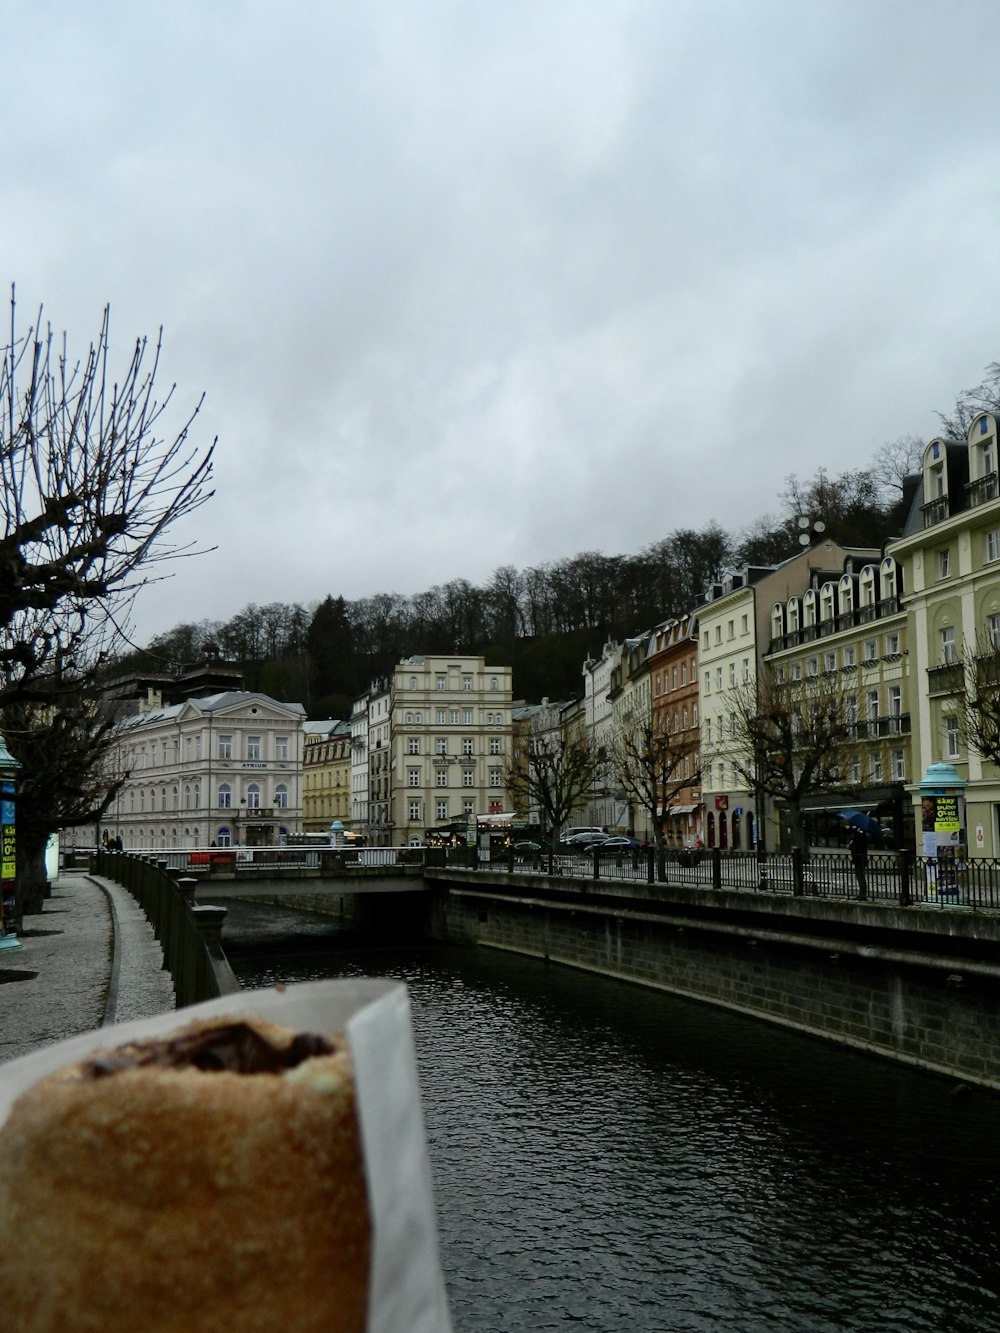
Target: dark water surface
[607, 1157]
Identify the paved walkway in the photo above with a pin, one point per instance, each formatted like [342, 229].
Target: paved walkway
[88, 960]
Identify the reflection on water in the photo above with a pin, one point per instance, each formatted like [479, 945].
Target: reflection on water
[616, 1158]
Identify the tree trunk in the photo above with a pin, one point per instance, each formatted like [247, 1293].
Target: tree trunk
[32, 882]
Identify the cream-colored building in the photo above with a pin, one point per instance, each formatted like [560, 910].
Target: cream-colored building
[449, 740]
[326, 775]
[950, 551]
[225, 770]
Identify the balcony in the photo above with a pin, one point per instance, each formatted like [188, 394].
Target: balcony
[982, 490]
[949, 678]
[935, 511]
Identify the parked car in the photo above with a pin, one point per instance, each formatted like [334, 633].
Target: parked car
[527, 848]
[582, 842]
[613, 845]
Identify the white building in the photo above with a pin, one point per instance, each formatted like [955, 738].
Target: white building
[223, 770]
[449, 743]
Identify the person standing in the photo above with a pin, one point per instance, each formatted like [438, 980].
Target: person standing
[859, 857]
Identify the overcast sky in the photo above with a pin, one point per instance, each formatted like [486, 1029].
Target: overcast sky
[496, 282]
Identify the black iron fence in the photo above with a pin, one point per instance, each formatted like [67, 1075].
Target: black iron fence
[890, 877]
[189, 935]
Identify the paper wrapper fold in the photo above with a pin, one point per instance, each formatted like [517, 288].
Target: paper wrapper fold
[406, 1289]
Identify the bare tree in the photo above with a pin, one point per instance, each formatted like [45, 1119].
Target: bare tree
[977, 705]
[553, 776]
[64, 780]
[789, 739]
[649, 758]
[91, 492]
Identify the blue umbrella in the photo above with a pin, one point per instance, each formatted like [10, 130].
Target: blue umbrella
[861, 820]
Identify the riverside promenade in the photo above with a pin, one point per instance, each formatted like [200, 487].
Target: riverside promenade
[89, 960]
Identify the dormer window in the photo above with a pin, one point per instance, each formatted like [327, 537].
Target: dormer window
[982, 460]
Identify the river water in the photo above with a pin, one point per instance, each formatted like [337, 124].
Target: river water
[609, 1157]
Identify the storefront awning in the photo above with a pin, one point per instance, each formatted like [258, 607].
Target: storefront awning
[682, 809]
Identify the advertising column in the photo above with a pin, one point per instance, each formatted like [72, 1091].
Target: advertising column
[8, 923]
[943, 837]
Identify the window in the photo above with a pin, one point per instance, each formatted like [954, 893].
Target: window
[441, 713]
[453, 717]
[830, 661]
[708, 682]
[413, 745]
[495, 777]
[895, 701]
[408, 719]
[718, 678]
[718, 634]
[897, 765]
[875, 768]
[796, 671]
[746, 670]
[413, 777]
[812, 666]
[441, 809]
[221, 837]
[253, 747]
[225, 747]
[468, 809]
[993, 630]
[441, 778]
[731, 629]
[281, 747]
[466, 682]
[225, 796]
[281, 796]
[413, 810]
[732, 673]
[466, 717]
[951, 737]
[413, 682]
[869, 650]
[949, 655]
[850, 655]
[745, 623]
[944, 563]
[494, 683]
[440, 746]
[253, 797]
[892, 645]
[494, 745]
[468, 777]
[439, 682]
[708, 731]
[992, 544]
[779, 675]
[467, 745]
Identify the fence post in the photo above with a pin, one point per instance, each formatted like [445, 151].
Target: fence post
[905, 888]
[716, 868]
[798, 872]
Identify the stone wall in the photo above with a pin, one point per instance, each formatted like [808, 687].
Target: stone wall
[917, 986]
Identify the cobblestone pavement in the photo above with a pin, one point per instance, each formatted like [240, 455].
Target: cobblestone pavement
[62, 981]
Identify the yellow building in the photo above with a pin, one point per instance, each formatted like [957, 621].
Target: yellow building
[326, 775]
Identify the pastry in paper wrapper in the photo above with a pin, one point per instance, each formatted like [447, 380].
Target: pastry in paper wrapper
[212, 1179]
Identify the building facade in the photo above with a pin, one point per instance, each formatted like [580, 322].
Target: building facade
[326, 775]
[449, 744]
[225, 770]
[672, 664]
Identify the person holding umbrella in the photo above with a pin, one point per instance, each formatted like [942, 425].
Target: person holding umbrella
[861, 825]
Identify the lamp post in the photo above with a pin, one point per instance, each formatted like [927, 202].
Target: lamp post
[8, 864]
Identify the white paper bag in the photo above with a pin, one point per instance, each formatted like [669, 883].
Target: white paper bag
[406, 1289]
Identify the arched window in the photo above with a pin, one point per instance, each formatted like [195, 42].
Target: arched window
[777, 621]
[888, 589]
[197, 795]
[846, 597]
[225, 796]
[736, 828]
[866, 587]
[827, 602]
[222, 837]
[281, 796]
[710, 829]
[792, 616]
[809, 607]
[253, 796]
[187, 796]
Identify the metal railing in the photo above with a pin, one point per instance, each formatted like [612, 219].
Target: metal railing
[189, 934]
[888, 877]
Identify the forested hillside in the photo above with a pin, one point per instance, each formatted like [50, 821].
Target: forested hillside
[545, 620]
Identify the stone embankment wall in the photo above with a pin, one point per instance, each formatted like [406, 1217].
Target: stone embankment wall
[920, 985]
